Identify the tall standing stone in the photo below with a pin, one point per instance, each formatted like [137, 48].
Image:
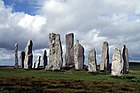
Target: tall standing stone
[22, 57]
[92, 64]
[104, 66]
[117, 65]
[45, 61]
[78, 56]
[69, 56]
[125, 59]
[38, 62]
[28, 55]
[55, 54]
[16, 55]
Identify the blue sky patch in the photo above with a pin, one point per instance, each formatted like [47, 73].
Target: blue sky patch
[27, 6]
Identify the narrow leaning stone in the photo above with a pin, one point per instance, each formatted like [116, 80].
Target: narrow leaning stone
[125, 59]
[22, 57]
[92, 64]
[34, 65]
[55, 54]
[69, 56]
[38, 62]
[45, 61]
[16, 55]
[117, 65]
[78, 56]
[28, 55]
[104, 66]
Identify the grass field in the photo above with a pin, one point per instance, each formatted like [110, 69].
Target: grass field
[41, 81]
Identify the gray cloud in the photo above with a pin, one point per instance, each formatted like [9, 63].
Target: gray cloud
[92, 22]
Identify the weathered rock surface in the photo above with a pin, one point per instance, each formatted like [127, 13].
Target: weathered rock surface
[104, 66]
[69, 56]
[78, 56]
[117, 65]
[92, 64]
[45, 59]
[38, 62]
[125, 59]
[28, 55]
[22, 57]
[16, 55]
[55, 54]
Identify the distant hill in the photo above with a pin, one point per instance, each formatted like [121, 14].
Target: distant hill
[134, 66]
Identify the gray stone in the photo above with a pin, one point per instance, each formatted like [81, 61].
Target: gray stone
[92, 64]
[104, 66]
[38, 62]
[78, 56]
[69, 56]
[125, 59]
[45, 59]
[28, 55]
[16, 55]
[117, 65]
[22, 57]
[55, 54]
[34, 65]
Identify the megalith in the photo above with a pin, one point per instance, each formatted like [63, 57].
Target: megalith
[92, 64]
[125, 59]
[117, 65]
[55, 54]
[104, 66]
[16, 55]
[69, 56]
[38, 62]
[45, 59]
[78, 56]
[28, 55]
[22, 57]
[34, 65]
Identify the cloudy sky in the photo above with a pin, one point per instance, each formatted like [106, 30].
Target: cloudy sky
[91, 21]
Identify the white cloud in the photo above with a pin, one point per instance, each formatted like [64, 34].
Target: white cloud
[95, 21]
[32, 23]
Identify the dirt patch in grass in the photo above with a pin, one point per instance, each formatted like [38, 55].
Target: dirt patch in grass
[42, 85]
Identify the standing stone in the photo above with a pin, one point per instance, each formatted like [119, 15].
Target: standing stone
[22, 57]
[34, 65]
[92, 65]
[117, 65]
[28, 55]
[78, 56]
[16, 55]
[45, 61]
[38, 62]
[69, 56]
[104, 66]
[125, 59]
[55, 54]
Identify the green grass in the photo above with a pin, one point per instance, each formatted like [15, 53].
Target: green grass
[41, 81]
